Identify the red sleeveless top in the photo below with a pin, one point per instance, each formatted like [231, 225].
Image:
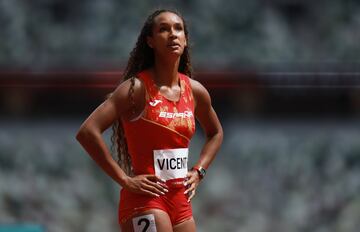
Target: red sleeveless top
[164, 124]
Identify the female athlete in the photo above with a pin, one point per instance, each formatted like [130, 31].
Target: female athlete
[153, 115]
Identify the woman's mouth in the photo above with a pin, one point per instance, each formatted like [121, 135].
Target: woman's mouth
[174, 45]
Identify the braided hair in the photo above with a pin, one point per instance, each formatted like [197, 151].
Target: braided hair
[141, 58]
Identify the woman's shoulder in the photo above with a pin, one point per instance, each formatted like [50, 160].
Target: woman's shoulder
[197, 86]
[128, 93]
[132, 85]
[201, 95]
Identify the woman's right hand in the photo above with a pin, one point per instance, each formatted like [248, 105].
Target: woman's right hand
[150, 185]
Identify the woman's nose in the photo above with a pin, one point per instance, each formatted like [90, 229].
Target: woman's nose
[173, 33]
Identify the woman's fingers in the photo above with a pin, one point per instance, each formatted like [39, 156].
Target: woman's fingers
[190, 188]
[147, 192]
[191, 177]
[191, 184]
[158, 187]
[192, 194]
[155, 184]
[155, 178]
[149, 187]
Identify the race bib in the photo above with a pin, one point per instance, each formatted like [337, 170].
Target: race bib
[144, 223]
[171, 163]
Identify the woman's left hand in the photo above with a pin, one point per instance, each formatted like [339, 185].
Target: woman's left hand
[191, 183]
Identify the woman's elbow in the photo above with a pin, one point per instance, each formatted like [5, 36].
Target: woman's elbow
[217, 135]
[83, 133]
[220, 135]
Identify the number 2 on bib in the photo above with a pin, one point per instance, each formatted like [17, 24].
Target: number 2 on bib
[144, 223]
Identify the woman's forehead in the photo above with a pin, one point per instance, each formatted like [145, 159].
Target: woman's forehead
[167, 17]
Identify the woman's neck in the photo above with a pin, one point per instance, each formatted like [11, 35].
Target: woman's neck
[166, 72]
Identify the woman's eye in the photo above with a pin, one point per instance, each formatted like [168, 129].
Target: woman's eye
[179, 28]
[162, 29]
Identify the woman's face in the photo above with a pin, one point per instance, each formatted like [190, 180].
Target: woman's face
[168, 35]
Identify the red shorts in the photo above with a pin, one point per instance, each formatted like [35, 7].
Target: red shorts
[174, 203]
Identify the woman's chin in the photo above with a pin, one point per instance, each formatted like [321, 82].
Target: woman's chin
[171, 54]
[175, 53]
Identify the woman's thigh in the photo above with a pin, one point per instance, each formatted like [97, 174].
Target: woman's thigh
[148, 220]
[185, 226]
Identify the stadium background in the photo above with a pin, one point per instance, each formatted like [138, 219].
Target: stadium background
[284, 78]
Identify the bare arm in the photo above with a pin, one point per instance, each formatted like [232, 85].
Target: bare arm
[210, 123]
[90, 137]
[90, 132]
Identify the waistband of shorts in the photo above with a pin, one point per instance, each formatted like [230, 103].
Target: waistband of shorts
[176, 183]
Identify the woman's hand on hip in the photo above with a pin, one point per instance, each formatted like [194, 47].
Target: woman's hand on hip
[191, 183]
[150, 185]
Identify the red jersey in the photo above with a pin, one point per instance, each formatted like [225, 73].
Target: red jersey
[158, 144]
[163, 125]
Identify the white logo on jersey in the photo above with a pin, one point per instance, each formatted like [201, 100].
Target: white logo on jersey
[185, 114]
[155, 102]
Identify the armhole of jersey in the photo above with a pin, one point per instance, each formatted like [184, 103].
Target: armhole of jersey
[191, 92]
[146, 96]
[138, 117]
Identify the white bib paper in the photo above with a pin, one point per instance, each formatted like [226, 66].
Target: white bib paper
[144, 223]
[171, 163]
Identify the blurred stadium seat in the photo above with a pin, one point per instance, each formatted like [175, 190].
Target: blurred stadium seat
[21, 228]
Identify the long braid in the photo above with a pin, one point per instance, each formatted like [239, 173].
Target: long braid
[118, 138]
[141, 58]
